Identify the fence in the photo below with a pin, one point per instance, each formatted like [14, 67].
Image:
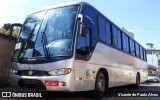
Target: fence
[6, 52]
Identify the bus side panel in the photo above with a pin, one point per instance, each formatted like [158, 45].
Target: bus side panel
[85, 75]
[122, 67]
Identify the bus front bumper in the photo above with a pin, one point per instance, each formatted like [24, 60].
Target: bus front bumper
[48, 83]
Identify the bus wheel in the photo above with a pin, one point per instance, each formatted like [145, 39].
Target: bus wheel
[100, 85]
[137, 85]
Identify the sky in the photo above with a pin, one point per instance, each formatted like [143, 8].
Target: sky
[141, 17]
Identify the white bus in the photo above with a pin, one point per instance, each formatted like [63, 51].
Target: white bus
[73, 47]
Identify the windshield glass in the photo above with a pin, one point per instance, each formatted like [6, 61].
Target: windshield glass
[28, 33]
[54, 36]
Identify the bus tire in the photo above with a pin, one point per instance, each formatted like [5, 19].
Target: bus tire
[100, 86]
[137, 85]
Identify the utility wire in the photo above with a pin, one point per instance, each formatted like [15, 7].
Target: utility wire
[141, 28]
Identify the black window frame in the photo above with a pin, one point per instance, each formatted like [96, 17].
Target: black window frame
[102, 29]
[108, 33]
[125, 43]
[141, 53]
[137, 47]
[116, 37]
[144, 55]
[85, 56]
[132, 46]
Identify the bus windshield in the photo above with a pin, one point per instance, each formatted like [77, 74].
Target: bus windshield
[48, 32]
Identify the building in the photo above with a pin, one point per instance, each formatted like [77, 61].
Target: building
[153, 55]
[129, 33]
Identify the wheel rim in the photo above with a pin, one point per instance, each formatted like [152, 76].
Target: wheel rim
[101, 84]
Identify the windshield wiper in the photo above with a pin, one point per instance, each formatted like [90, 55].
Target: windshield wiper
[44, 41]
[27, 39]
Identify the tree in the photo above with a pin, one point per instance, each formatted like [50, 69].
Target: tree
[15, 32]
[151, 68]
[7, 26]
[5, 30]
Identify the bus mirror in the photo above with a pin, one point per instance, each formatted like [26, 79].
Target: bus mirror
[83, 30]
[12, 27]
[80, 16]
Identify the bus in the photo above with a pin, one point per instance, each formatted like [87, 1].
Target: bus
[72, 47]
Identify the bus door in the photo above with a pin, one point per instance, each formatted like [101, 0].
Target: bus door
[83, 53]
[85, 47]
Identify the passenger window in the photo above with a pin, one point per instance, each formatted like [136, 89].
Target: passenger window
[84, 46]
[102, 36]
[119, 40]
[108, 33]
[137, 50]
[144, 56]
[132, 47]
[116, 41]
[141, 52]
[125, 42]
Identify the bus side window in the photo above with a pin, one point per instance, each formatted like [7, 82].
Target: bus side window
[102, 29]
[125, 42]
[141, 53]
[144, 55]
[116, 39]
[84, 46]
[132, 47]
[108, 33]
[137, 50]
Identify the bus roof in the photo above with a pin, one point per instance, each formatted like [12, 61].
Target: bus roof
[59, 5]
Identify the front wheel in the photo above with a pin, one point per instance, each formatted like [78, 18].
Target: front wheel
[100, 85]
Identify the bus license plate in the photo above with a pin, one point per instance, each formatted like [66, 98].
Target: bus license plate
[51, 83]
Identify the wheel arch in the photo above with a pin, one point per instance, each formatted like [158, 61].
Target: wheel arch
[105, 72]
[138, 73]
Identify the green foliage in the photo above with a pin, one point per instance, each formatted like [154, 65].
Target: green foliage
[4, 31]
[15, 32]
[7, 26]
[151, 68]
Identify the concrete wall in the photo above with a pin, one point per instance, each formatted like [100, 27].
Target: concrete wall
[152, 59]
[6, 52]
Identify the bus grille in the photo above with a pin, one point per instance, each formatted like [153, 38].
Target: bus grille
[31, 84]
[32, 73]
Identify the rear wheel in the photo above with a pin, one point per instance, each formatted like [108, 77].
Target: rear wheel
[100, 85]
[137, 85]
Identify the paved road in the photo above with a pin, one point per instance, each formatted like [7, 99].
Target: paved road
[149, 87]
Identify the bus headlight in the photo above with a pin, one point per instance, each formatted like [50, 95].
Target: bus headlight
[13, 71]
[63, 71]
